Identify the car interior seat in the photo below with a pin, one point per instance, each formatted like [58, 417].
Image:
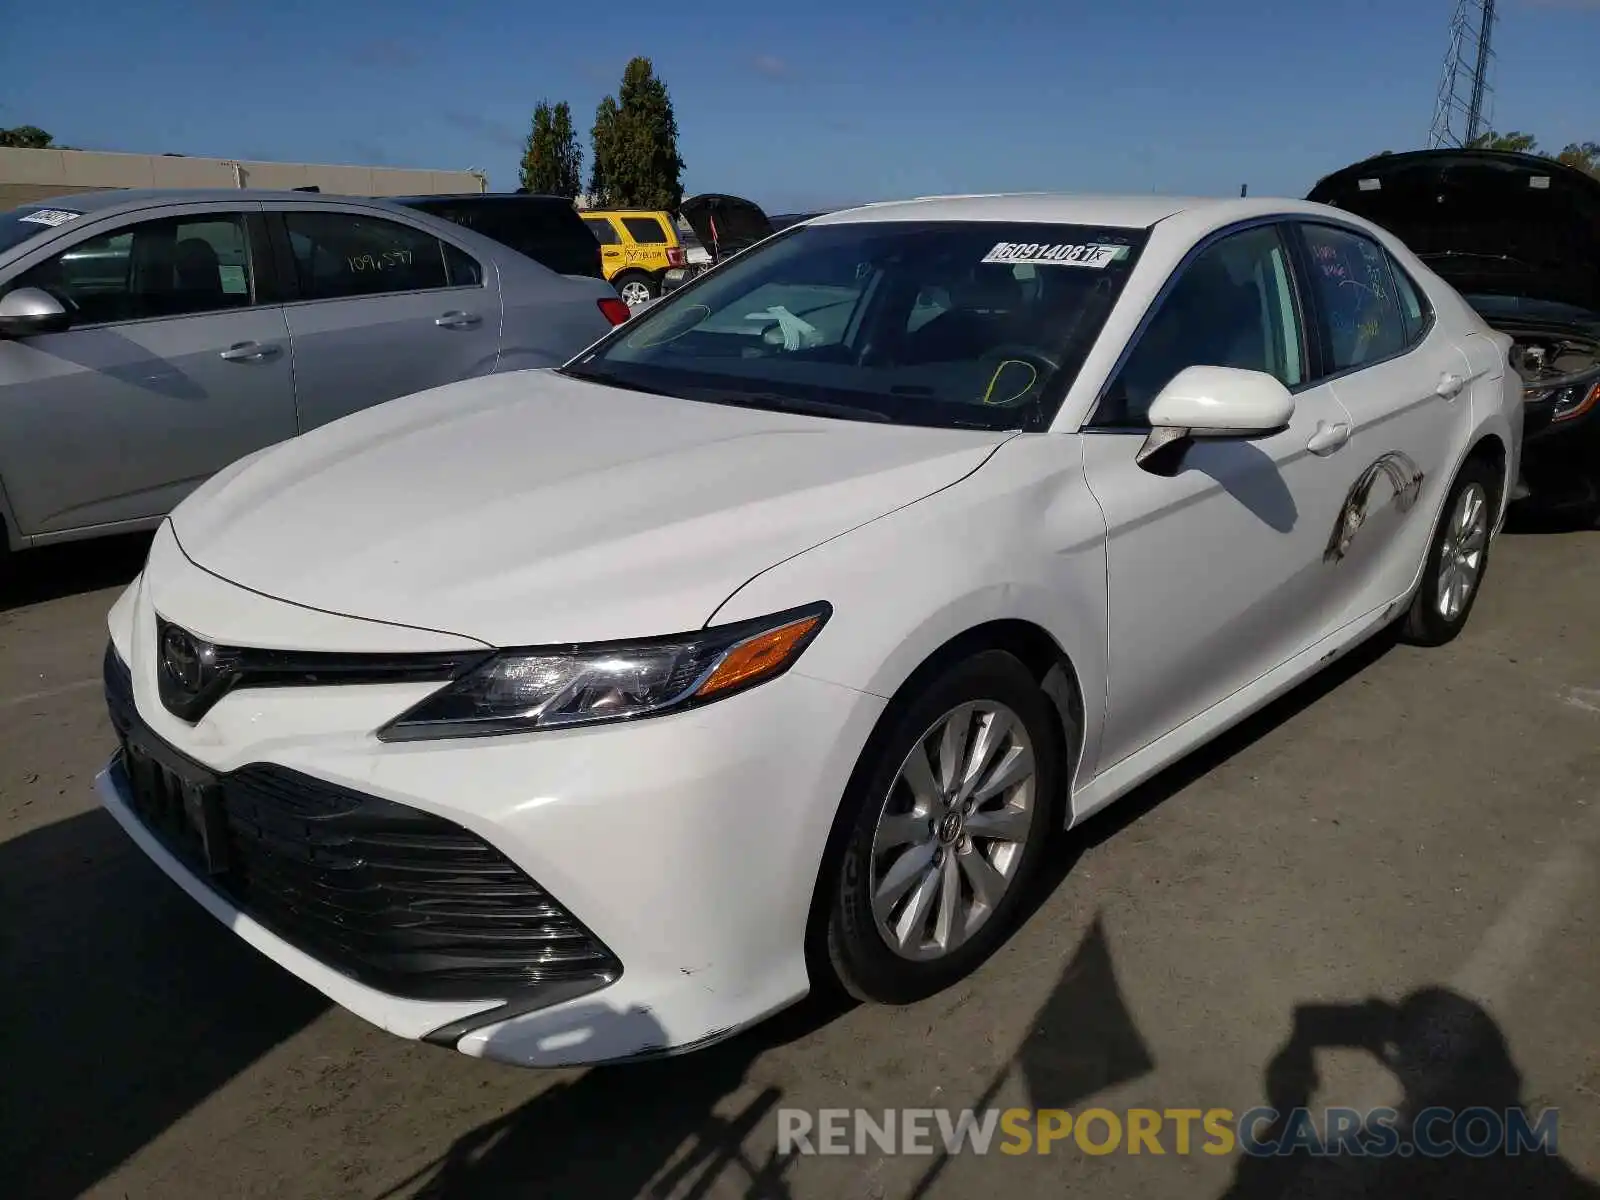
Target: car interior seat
[197, 276]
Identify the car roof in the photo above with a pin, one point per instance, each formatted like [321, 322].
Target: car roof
[481, 198]
[1134, 212]
[135, 198]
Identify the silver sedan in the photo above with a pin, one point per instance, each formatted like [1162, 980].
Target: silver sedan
[148, 339]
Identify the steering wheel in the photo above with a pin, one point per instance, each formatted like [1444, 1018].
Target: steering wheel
[1001, 389]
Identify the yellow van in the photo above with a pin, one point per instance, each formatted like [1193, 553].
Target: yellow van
[637, 249]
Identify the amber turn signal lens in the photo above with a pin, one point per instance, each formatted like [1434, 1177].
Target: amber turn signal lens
[1588, 402]
[762, 655]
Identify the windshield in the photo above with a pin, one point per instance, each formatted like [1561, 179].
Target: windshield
[975, 324]
[20, 224]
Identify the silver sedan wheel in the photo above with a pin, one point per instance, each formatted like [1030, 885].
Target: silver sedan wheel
[953, 829]
[1466, 537]
[634, 293]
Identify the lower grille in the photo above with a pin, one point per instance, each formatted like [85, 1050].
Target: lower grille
[399, 899]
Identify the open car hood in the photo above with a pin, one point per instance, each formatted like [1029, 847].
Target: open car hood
[726, 224]
[1488, 222]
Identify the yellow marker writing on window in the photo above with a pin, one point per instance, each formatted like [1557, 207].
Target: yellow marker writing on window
[988, 393]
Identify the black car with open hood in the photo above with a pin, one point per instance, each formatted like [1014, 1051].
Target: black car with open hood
[726, 224]
[1518, 235]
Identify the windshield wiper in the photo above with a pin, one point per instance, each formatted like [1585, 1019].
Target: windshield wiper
[783, 402]
[1439, 255]
[614, 381]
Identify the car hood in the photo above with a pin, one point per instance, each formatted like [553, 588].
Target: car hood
[530, 508]
[1487, 222]
[726, 224]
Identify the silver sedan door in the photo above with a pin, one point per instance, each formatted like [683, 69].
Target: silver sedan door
[381, 308]
[170, 370]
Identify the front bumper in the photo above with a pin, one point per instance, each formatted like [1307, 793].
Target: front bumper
[678, 276]
[687, 846]
[1561, 459]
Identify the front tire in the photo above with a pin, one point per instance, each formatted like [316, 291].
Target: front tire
[1457, 558]
[947, 825]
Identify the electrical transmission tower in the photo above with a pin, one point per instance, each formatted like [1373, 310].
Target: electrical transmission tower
[1461, 112]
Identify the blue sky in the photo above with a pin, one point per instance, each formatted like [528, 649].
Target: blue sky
[819, 104]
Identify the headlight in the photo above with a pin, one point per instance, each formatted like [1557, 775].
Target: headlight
[516, 691]
[1567, 398]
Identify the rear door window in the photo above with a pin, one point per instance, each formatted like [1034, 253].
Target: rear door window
[646, 231]
[341, 254]
[1356, 297]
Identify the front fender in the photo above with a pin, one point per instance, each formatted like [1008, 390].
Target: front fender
[1020, 539]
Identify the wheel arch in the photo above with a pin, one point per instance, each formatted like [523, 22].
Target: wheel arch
[1490, 448]
[1058, 678]
[1038, 650]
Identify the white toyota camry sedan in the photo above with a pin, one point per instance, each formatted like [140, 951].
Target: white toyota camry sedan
[594, 713]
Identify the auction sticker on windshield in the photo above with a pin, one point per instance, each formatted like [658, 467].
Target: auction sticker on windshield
[1088, 254]
[51, 216]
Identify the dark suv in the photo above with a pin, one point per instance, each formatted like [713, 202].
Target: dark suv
[546, 229]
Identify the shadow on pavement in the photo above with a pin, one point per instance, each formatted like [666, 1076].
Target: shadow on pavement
[54, 572]
[1149, 796]
[1523, 519]
[666, 1127]
[1446, 1052]
[123, 1005]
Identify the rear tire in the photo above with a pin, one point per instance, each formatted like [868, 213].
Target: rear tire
[1458, 556]
[636, 287]
[945, 826]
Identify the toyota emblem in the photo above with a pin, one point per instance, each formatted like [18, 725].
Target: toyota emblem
[180, 659]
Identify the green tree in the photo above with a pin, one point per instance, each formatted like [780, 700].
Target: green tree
[603, 154]
[636, 161]
[1518, 143]
[28, 137]
[552, 164]
[1585, 156]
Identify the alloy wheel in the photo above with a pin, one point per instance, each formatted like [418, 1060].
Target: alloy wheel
[1466, 538]
[953, 829]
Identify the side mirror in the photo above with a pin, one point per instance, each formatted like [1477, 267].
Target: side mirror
[1212, 402]
[28, 311]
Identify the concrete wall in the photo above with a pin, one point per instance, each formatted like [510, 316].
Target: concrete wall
[29, 175]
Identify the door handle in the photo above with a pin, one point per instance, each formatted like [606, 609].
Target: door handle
[1328, 438]
[457, 320]
[1450, 385]
[249, 352]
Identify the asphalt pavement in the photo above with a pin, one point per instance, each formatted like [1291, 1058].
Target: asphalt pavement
[1415, 827]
